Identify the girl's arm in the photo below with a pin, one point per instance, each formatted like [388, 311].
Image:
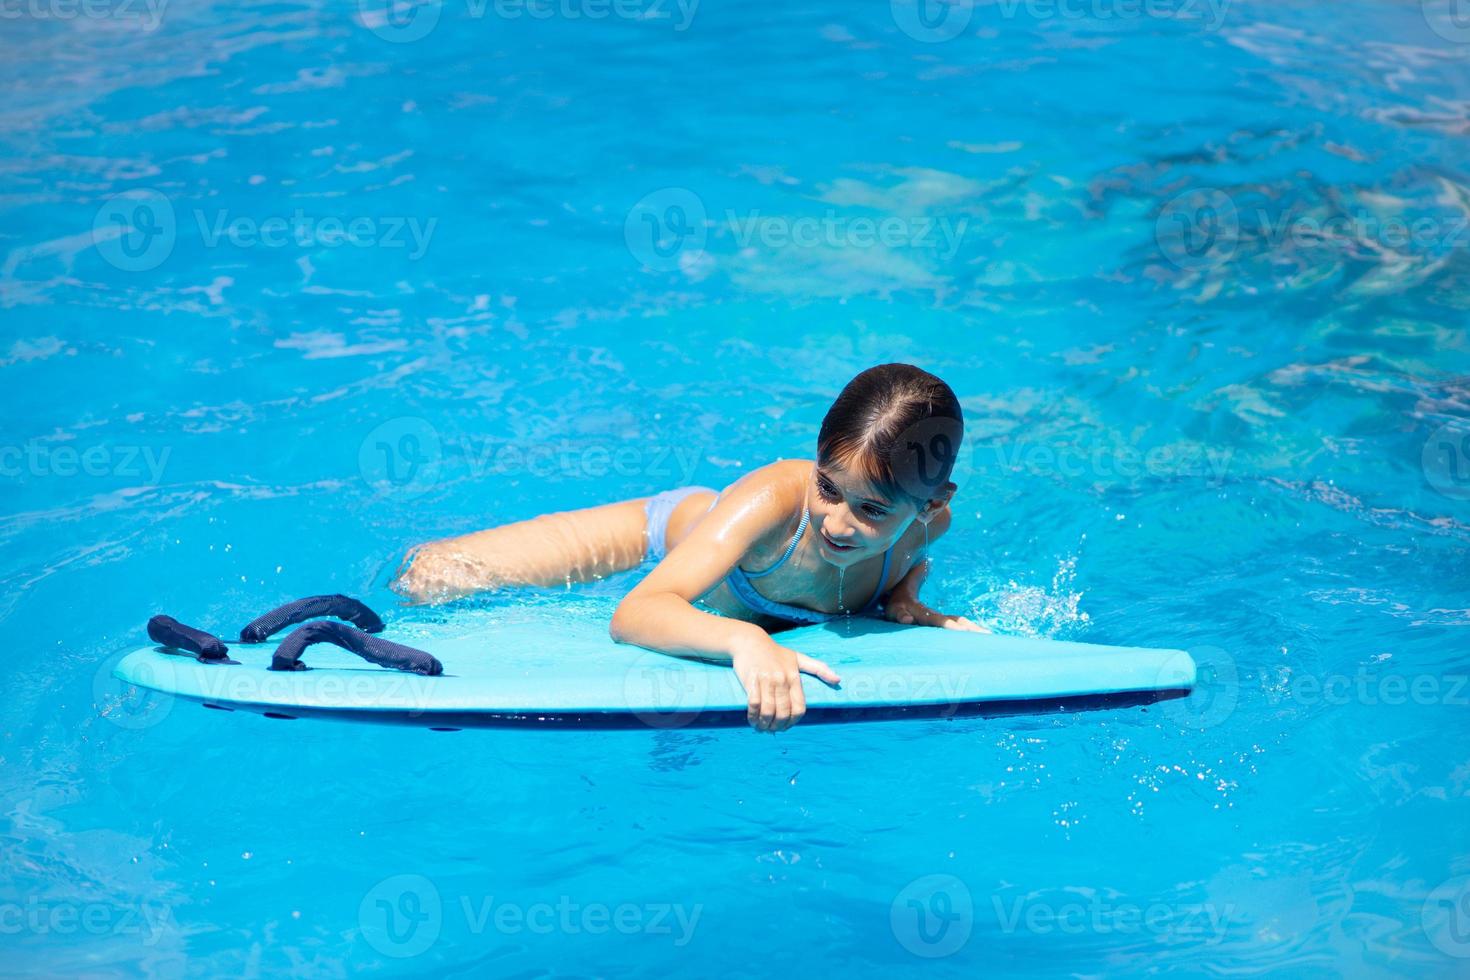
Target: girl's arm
[902, 604]
[659, 612]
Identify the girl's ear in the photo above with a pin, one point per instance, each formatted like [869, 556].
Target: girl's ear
[936, 503]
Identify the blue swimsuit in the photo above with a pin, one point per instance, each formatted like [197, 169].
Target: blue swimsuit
[661, 506]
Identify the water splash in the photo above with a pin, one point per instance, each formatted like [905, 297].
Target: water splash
[1049, 611]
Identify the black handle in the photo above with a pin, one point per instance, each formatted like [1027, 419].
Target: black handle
[262, 627]
[169, 632]
[373, 649]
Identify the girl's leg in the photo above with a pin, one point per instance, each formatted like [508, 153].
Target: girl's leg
[554, 549]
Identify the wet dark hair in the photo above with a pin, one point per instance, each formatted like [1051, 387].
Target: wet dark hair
[898, 426]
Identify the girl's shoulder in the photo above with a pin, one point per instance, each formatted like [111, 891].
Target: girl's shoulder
[779, 485]
[773, 495]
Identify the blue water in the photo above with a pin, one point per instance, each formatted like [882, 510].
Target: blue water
[287, 287]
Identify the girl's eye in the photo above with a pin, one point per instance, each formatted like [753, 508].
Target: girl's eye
[828, 490]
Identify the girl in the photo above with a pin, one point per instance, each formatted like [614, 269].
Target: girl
[794, 542]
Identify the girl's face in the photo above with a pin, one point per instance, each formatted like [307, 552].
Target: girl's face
[853, 519]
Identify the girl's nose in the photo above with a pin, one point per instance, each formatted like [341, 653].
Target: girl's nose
[838, 524]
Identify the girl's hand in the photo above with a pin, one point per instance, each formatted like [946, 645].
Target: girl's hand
[912, 612]
[771, 676]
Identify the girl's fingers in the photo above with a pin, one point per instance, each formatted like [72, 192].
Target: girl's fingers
[768, 703]
[798, 701]
[751, 681]
[815, 667]
[775, 702]
[783, 704]
[931, 618]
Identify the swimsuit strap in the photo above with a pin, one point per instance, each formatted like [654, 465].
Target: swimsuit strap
[744, 590]
[740, 585]
[882, 580]
[800, 530]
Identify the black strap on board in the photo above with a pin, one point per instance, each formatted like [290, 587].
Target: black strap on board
[169, 632]
[373, 649]
[296, 611]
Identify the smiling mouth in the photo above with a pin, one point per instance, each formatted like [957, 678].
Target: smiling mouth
[833, 544]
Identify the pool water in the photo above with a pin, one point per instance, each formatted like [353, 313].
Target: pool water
[287, 287]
